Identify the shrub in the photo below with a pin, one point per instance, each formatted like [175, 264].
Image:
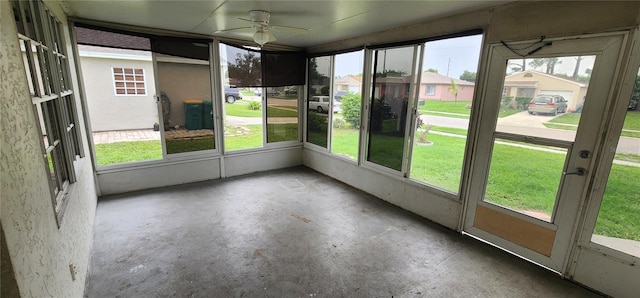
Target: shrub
[254, 105]
[351, 109]
[316, 122]
[522, 102]
[338, 122]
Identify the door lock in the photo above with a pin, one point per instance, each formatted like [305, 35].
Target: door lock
[585, 153]
[578, 171]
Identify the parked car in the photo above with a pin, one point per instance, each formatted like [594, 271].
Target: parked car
[291, 91]
[321, 104]
[231, 94]
[257, 91]
[338, 96]
[548, 104]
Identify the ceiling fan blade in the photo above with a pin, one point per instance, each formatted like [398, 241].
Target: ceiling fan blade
[233, 29]
[290, 29]
[243, 19]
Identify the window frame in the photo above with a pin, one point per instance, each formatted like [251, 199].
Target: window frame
[429, 87]
[52, 96]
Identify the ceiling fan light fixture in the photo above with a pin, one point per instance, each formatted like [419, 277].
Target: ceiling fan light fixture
[261, 36]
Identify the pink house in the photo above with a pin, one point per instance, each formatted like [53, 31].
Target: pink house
[435, 86]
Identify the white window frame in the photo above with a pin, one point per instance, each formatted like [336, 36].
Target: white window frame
[428, 87]
[53, 99]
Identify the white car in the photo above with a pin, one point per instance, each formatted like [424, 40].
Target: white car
[321, 104]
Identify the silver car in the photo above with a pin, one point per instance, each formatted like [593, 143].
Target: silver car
[548, 104]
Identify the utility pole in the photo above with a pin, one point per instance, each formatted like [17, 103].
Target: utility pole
[448, 66]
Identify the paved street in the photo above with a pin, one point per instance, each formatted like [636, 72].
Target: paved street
[531, 125]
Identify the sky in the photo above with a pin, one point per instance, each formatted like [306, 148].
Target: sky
[451, 57]
[454, 55]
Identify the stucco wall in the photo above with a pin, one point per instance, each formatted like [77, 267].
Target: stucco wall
[40, 252]
[110, 112]
[183, 81]
[442, 93]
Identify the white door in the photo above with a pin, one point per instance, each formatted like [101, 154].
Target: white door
[530, 175]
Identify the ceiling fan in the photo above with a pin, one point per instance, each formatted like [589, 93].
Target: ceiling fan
[262, 30]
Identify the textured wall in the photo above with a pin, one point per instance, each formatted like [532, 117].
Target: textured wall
[40, 252]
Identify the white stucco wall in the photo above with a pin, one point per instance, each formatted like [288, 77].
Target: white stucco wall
[108, 111]
[40, 252]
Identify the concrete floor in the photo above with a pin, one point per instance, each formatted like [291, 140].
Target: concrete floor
[293, 233]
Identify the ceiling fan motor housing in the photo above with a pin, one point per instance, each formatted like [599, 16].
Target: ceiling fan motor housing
[260, 17]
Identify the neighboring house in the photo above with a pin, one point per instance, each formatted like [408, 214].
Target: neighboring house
[117, 99]
[435, 86]
[531, 83]
[348, 83]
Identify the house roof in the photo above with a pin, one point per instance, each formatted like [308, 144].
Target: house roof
[438, 79]
[349, 79]
[510, 78]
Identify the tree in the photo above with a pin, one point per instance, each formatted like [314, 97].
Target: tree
[351, 109]
[468, 76]
[244, 67]
[433, 70]
[454, 90]
[550, 64]
[575, 70]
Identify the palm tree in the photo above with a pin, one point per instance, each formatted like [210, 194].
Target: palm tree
[454, 90]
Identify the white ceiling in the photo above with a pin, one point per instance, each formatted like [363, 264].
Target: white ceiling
[327, 20]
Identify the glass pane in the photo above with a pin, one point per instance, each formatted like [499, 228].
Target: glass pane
[447, 85]
[242, 106]
[187, 109]
[543, 97]
[318, 101]
[618, 223]
[282, 115]
[389, 100]
[125, 128]
[52, 173]
[347, 86]
[525, 177]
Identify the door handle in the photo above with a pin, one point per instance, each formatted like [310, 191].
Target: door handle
[578, 171]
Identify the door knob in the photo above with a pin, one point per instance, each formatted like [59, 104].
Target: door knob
[578, 171]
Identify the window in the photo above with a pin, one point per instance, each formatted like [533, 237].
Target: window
[430, 90]
[437, 156]
[48, 74]
[345, 131]
[129, 81]
[318, 103]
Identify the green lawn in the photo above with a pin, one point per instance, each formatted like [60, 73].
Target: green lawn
[123, 152]
[457, 109]
[241, 109]
[251, 140]
[631, 127]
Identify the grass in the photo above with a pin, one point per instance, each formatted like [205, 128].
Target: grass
[190, 145]
[631, 127]
[456, 109]
[253, 139]
[459, 107]
[620, 205]
[123, 152]
[241, 109]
